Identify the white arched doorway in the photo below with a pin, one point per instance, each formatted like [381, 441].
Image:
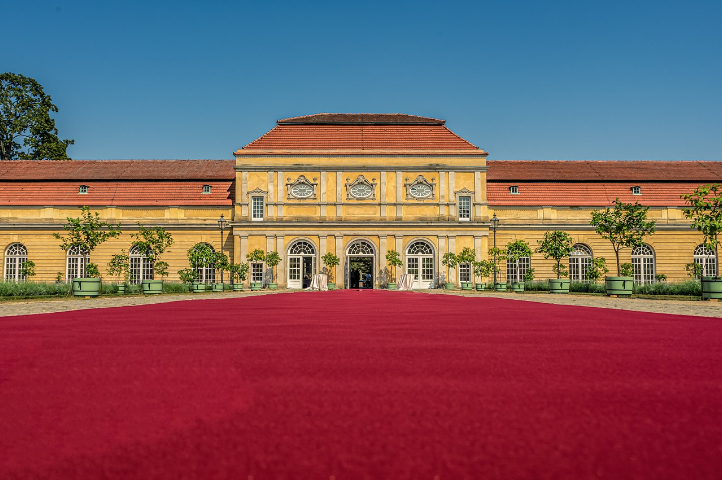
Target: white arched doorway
[359, 268]
[643, 263]
[420, 263]
[301, 264]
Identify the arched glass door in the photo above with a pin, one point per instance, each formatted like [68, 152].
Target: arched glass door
[420, 263]
[301, 264]
[360, 264]
[643, 262]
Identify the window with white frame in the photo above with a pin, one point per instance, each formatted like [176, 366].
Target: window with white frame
[465, 208]
[636, 190]
[514, 190]
[643, 263]
[206, 272]
[140, 267]
[83, 189]
[206, 189]
[515, 270]
[257, 272]
[257, 208]
[705, 257]
[15, 257]
[464, 272]
[580, 261]
[75, 263]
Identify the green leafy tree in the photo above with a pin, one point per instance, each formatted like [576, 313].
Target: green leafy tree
[119, 266]
[27, 269]
[239, 271]
[624, 225]
[557, 245]
[188, 275]
[86, 233]
[26, 130]
[484, 269]
[272, 260]
[393, 259]
[516, 250]
[705, 211]
[151, 243]
[694, 269]
[201, 255]
[496, 255]
[449, 260]
[221, 262]
[331, 261]
[597, 269]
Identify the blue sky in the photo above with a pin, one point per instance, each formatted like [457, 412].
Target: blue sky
[566, 80]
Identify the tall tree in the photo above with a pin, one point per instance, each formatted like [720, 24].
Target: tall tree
[26, 130]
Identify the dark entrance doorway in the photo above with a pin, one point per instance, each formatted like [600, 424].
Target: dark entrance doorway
[307, 271]
[361, 272]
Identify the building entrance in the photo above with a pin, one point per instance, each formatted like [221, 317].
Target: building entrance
[301, 264]
[361, 272]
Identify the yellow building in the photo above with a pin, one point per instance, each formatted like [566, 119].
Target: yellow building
[356, 185]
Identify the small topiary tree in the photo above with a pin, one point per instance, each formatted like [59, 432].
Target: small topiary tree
[483, 269]
[161, 268]
[705, 211]
[467, 256]
[86, 233]
[557, 245]
[624, 225]
[449, 260]
[201, 255]
[331, 261]
[239, 271]
[694, 269]
[393, 259]
[188, 275]
[221, 262]
[514, 251]
[151, 243]
[496, 256]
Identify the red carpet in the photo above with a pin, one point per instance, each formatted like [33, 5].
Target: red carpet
[360, 385]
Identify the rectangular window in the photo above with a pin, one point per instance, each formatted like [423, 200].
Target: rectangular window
[256, 208]
[514, 190]
[206, 189]
[83, 189]
[465, 208]
[257, 272]
[636, 190]
[464, 272]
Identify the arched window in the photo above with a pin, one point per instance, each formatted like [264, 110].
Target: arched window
[206, 271]
[75, 263]
[302, 247]
[140, 267]
[361, 247]
[705, 257]
[515, 270]
[15, 257]
[643, 263]
[420, 263]
[580, 261]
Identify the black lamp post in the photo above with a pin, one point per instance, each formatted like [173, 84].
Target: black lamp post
[222, 224]
[494, 224]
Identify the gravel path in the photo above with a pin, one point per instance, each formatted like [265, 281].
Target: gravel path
[676, 307]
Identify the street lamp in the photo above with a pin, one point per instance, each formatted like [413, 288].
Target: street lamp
[222, 224]
[494, 224]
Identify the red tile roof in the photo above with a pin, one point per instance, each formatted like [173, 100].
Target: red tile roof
[376, 137]
[86, 170]
[360, 119]
[587, 193]
[109, 193]
[603, 171]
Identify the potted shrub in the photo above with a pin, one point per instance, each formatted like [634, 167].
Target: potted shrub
[86, 233]
[393, 260]
[467, 256]
[119, 266]
[331, 261]
[705, 211]
[200, 255]
[625, 226]
[557, 245]
[483, 269]
[597, 269]
[450, 261]
[514, 251]
[151, 243]
[221, 264]
[256, 256]
[272, 260]
[497, 255]
[238, 271]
